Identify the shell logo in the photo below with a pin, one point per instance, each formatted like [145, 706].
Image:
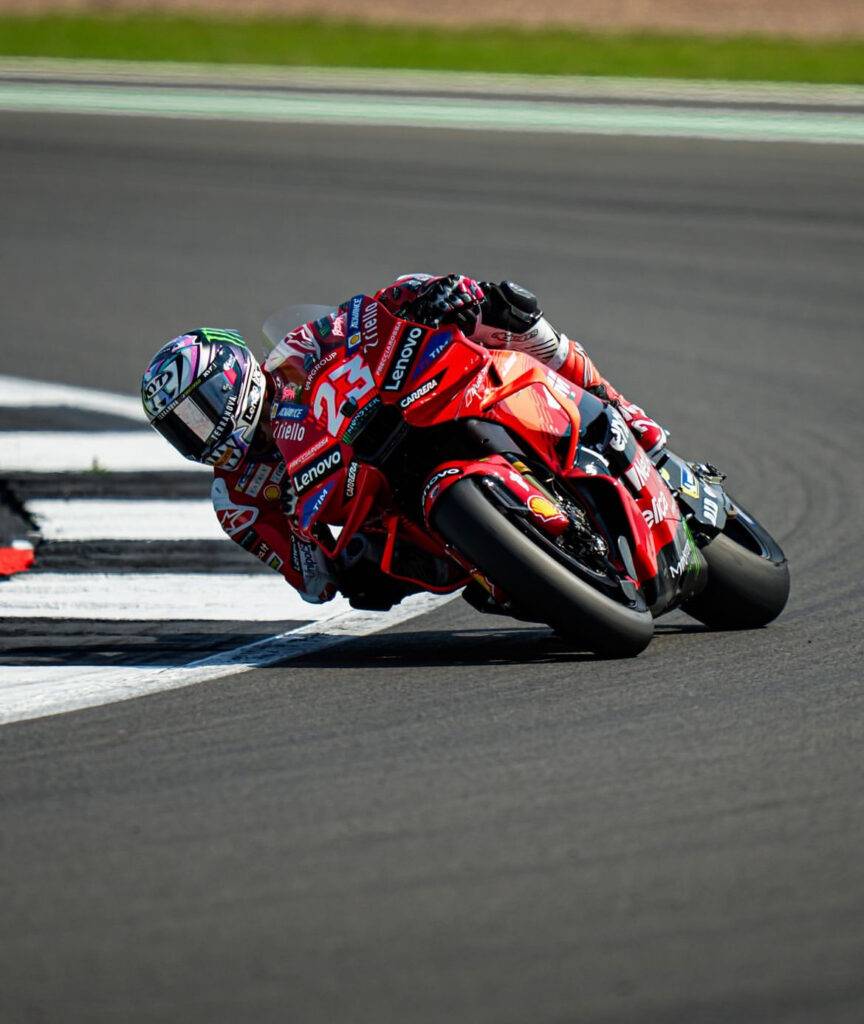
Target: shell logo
[544, 508]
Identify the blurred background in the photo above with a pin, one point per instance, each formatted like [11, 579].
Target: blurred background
[785, 17]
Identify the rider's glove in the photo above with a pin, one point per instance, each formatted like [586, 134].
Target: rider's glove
[509, 307]
[319, 583]
[454, 299]
[511, 317]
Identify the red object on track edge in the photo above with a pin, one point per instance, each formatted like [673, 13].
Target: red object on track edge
[15, 559]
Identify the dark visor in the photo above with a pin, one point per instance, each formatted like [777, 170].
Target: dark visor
[202, 420]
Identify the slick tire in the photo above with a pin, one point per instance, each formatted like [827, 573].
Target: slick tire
[578, 613]
[744, 590]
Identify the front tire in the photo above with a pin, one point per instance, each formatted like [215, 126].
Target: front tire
[748, 577]
[534, 580]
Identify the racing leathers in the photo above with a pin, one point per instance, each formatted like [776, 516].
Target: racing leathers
[256, 503]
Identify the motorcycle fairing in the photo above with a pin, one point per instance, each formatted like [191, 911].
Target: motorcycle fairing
[424, 377]
[513, 486]
[706, 502]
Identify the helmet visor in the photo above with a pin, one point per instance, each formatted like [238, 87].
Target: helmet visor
[201, 420]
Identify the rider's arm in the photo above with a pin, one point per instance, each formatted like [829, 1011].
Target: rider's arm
[260, 526]
[511, 318]
[505, 315]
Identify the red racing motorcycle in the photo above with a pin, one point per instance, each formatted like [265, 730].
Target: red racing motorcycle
[468, 467]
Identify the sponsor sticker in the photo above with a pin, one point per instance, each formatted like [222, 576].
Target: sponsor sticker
[406, 350]
[710, 510]
[351, 479]
[259, 477]
[657, 512]
[681, 565]
[318, 368]
[275, 562]
[324, 327]
[639, 472]
[247, 540]
[369, 323]
[544, 508]
[272, 492]
[313, 473]
[359, 420]
[618, 435]
[433, 350]
[306, 456]
[295, 554]
[292, 411]
[289, 431]
[313, 505]
[434, 481]
[352, 329]
[689, 483]
[418, 393]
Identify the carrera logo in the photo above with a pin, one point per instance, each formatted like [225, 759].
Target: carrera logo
[321, 468]
[406, 352]
[351, 480]
[424, 389]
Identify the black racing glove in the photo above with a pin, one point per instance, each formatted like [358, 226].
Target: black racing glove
[509, 307]
[449, 300]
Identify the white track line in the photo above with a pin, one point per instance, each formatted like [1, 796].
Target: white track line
[452, 112]
[84, 519]
[20, 392]
[67, 451]
[36, 691]
[386, 80]
[157, 597]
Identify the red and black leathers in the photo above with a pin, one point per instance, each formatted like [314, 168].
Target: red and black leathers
[255, 502]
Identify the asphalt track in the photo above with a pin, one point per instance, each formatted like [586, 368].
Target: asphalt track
[460, 820]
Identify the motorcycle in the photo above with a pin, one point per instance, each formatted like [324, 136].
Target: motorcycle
[459, 466]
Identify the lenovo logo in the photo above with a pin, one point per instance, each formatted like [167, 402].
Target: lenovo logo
[322, 467]
[406, 351]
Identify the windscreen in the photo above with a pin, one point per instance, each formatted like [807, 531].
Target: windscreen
[278, 324]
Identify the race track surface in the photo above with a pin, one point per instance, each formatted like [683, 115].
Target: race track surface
[459, 820]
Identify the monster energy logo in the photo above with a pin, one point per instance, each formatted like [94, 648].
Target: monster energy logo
[217, 335]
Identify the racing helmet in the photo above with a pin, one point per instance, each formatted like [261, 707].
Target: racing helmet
[204, 392]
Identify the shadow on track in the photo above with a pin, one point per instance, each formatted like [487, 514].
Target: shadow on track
[461, 648]
[163, 645]
[104, 644]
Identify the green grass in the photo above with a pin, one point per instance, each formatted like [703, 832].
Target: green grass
[308, 42]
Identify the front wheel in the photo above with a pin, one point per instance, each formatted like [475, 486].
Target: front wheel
[534, 579]
[748, 577]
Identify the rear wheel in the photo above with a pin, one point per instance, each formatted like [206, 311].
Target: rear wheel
[534, 580]
[748, 577]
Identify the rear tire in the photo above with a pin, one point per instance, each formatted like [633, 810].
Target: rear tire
[744, 590]
[534, 580]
